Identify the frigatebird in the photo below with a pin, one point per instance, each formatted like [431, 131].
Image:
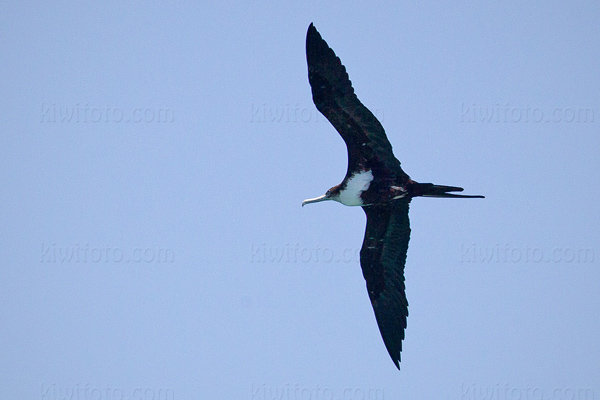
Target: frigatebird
[375, 182]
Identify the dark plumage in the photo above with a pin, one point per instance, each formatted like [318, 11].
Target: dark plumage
[375, 181]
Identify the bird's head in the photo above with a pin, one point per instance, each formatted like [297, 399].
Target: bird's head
[331, 194]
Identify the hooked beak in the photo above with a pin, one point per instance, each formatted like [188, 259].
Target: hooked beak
[315, 200]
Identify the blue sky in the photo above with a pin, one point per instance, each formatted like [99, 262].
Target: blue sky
[155, 156]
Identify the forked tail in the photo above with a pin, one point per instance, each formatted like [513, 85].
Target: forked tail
[431, 190]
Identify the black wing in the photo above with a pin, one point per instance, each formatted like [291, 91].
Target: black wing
[368, 146]
[382, 259]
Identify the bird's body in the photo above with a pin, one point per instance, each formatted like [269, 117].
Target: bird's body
[375, 181]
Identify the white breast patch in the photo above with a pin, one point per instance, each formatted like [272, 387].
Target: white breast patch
[357, 184]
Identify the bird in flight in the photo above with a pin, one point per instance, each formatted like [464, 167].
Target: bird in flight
[375, 182]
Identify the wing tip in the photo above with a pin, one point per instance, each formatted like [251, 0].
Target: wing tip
[395, 358]
[396, 363]
[312, 31]
[312, 38]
